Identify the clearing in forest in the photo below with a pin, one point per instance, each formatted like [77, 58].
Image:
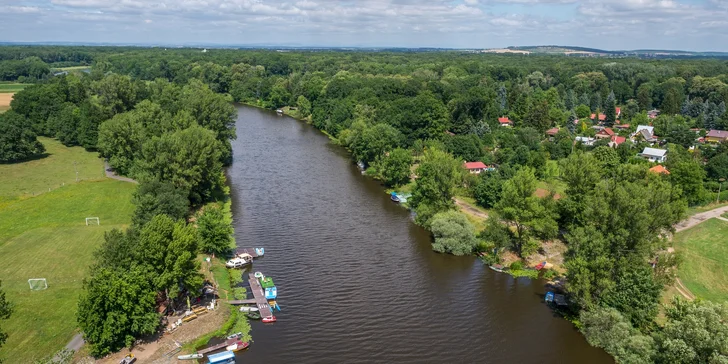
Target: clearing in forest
[704, 269]
[46, 236]
[5, 99]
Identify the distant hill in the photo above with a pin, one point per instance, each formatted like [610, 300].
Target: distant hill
[594, 52]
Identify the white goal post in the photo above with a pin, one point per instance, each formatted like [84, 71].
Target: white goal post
[92, 220]
[37, 284]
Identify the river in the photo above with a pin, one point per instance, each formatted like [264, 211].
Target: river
[357, 280]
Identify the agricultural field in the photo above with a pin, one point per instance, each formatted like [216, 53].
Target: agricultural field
[46, 236]
[5, 99]
[12, 87]
[705, 259]
[56, 168]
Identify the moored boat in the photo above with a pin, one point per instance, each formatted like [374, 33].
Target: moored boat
[190, 356]
[394, 197]
[274, 304]
[237, 346]
[269, 319]
[253, 315]
[279, 112]
[258, 275]
[236, 335]
[248, 309]
[224, 357]
[260, 251]
[271, 293]
[497, 268]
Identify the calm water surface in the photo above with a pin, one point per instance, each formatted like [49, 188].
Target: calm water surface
[357, 280]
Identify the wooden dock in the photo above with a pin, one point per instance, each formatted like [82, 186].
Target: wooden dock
[219, 346]
[243, 302]
[259, 295]
[250, 251]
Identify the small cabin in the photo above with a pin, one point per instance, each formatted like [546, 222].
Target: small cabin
[654, 155]
[475, 167]
[505, 121]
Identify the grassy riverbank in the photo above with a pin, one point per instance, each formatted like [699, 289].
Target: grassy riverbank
[705, 267]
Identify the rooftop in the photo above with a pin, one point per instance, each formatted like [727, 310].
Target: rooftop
[475, 165]
[659, 169]
[717, 134]
[654, 152]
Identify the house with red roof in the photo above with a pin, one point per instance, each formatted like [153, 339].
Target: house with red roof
[605, 133]
[618, 111]
[551, 133]
[616, 140]
[475, 167]
[505, 121]
[602, 117]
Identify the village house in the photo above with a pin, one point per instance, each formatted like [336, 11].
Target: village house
[505, 121]
[551, 133]
[602, 117]
[652, 114]
[585, 140]
[646, 132]
[616, 140]
[716, 136]
[605, 133]
[654, 155]
[475, 167]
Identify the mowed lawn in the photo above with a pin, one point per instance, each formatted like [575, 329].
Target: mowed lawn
[43, 234]
[705, 259]
[33, 177]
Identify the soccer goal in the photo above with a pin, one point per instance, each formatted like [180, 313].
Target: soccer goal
[93, 221]
[37, 284]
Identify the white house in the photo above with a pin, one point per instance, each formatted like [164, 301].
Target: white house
[655, 155]
[585, 140]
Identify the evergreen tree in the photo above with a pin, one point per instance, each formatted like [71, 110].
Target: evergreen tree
[571, 123]
[610, 110]
[584, 99]
[596, 101]
[503, 98]
[570, 101]
[685, 107]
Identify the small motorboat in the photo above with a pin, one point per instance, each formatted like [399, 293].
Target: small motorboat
[236, 335]
[271, 293]
[237, 346]
[269, 319]
[253, 315]
[248, 309]
[260, 251]
[224, 357]
[238, 262]
[190, 356]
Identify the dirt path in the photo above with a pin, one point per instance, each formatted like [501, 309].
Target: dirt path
[111, 174]
[687, 224]
[469, 209]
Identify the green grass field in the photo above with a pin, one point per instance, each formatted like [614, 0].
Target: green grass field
[705, 252]
[44, 235]
[20, 180]
[12, 87]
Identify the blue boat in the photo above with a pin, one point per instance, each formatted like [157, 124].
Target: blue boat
[224, 357]
[394, 197]
[271, 293]
[259, 251]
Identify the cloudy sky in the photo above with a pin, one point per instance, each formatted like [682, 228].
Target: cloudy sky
[607, 24]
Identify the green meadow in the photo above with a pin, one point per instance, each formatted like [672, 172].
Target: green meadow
[705, 259]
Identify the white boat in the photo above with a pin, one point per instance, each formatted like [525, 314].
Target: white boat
[260, 251]
[239, 262]
[258, 275]
[190, 356]
[248, 309]
[236, 335]
[279, 112]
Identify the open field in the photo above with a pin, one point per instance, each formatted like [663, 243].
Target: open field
[705, 267]
[20, 180]
[5, 99]
[12, 87]
[46, 237]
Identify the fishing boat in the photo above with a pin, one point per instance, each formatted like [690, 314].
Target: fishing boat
[259, 251]
[236, 335]
[269, 319]
[271, 293]
[220, 358]
[253, 315]
[190, 356]
[248, 309]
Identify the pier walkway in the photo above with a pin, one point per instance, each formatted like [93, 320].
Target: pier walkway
[259, 295]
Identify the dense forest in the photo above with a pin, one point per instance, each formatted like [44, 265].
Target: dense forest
[164, 117]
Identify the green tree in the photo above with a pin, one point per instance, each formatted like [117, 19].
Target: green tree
[304, 106]
[583, 112]
[17, 141]
[644, 96]
[487, 191]
[607, 329]
[120, 141]
[189, 159]
[695, 332]
[717, 167]
[394, 169]
[215, 231]
[610, 111]
[528, 214]
[116, 307]
[607, 157]
[438, 175]
[689, 175]
[453, 233]
[153, 198]
[117, 93]
[5, 310]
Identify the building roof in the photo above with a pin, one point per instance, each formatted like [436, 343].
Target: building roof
[475, 165]
[602, 117]
[616, 139]
[651, 129]
[622, 126]
[584, 139]
[552, 131]
[654, 152]
[647, 135]
[659, 169]
[618, 110]
[717, 134]
[504, 120]
[607, 131]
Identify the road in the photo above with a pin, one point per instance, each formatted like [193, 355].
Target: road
[111, 174]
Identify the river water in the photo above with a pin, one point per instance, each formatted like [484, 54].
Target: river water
[357, 280]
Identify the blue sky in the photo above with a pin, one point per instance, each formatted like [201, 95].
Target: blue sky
[607, 24]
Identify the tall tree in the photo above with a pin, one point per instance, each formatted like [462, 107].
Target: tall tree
[153, 198]
[610, 111]
[394, 169]
[215, 231]
[437, 176]
[17, 141]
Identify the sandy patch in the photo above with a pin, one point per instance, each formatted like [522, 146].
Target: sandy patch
[5, 99]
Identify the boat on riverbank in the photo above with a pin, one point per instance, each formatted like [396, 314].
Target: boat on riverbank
[497, 267]
[237, 346]
[190, 356]
[279, 112]
[253, 315]
[220, 358]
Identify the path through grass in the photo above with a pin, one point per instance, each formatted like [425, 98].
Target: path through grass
[705, 251]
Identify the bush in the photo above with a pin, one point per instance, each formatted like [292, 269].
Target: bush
[453, 233]
[517, 265]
